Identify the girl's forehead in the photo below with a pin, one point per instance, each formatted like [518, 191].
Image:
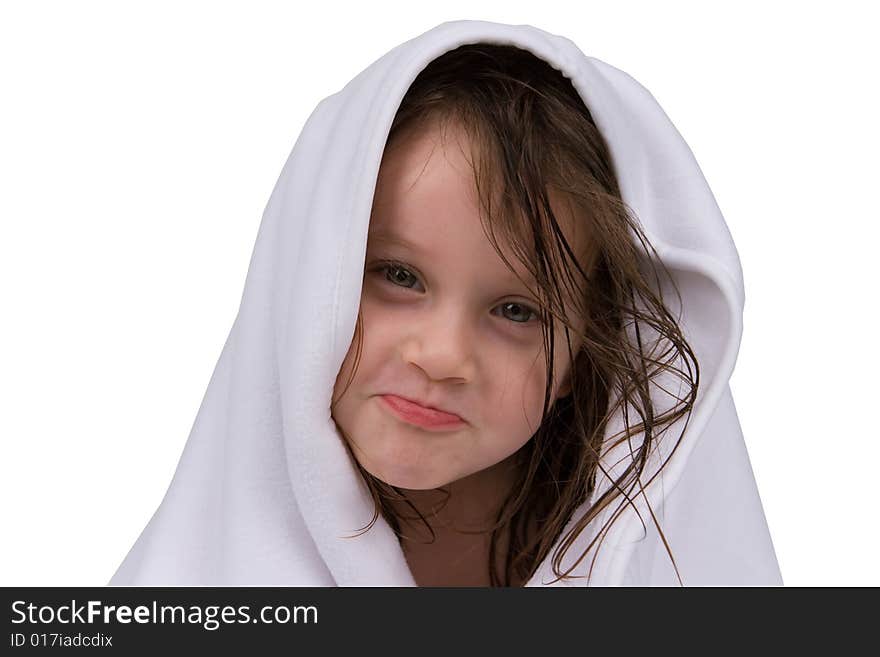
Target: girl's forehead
[427, 176]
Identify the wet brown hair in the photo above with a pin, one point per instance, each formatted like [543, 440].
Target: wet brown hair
[532, 133]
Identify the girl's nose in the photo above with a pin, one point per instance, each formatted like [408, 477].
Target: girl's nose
[442, 346]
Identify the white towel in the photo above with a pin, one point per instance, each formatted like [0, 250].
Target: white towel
[265, 489]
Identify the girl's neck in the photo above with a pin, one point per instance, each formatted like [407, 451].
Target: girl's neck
[458, 555]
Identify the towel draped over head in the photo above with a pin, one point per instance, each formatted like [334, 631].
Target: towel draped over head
[265, 489]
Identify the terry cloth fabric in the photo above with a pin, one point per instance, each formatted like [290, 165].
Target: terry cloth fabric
[265, 489]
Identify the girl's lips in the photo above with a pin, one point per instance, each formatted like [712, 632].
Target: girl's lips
[413, 413]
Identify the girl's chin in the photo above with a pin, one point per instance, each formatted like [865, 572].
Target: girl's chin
[409, 482]
[393, 476]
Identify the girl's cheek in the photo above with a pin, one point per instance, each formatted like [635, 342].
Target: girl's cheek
[385, 325]
[379, 312]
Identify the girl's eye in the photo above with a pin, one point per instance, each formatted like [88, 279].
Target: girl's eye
[518, 313]
[400, 276]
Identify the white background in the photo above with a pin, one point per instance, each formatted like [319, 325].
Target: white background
[139, 143]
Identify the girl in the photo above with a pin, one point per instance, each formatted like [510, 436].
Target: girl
[533, 308]
[466, 336]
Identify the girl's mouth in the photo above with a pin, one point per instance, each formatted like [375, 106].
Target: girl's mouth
[426, 418]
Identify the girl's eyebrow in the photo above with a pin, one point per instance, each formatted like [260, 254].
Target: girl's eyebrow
[391, 239]
[388, 238]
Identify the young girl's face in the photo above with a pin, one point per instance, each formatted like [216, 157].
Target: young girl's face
[445, 323]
